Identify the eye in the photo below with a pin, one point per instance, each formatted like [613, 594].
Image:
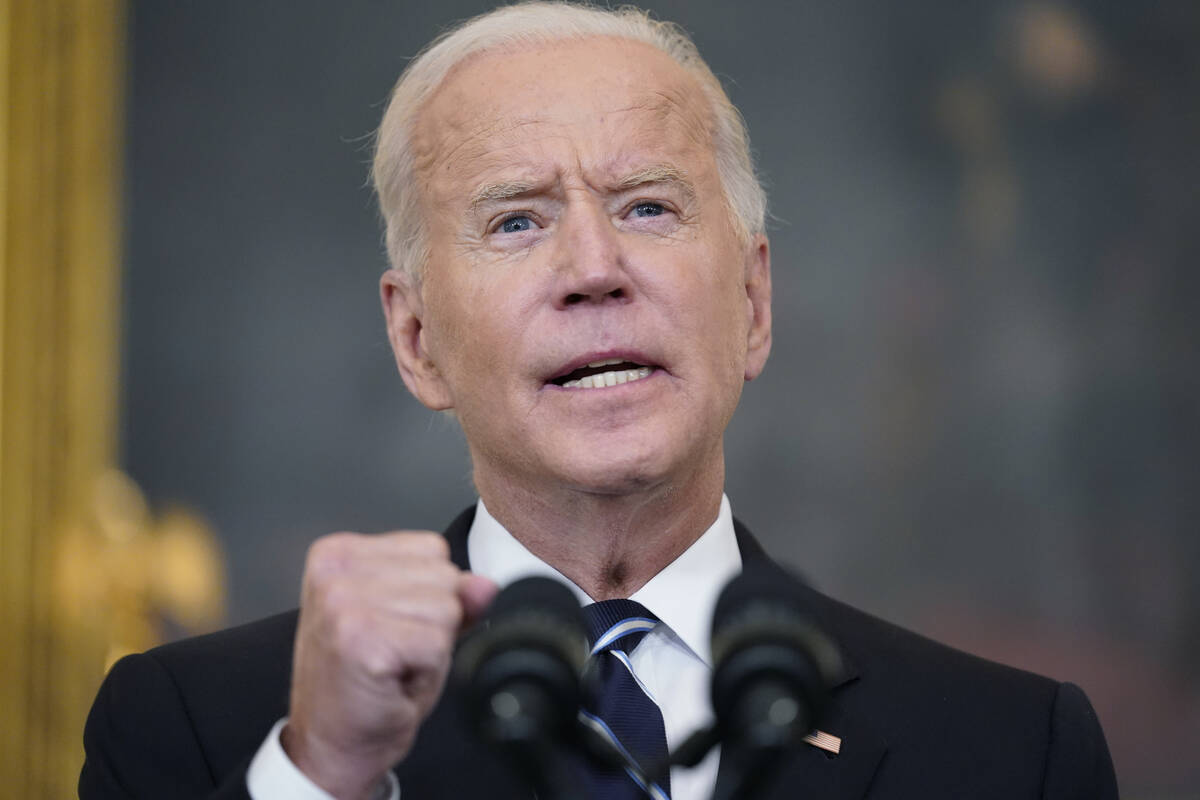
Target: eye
[515, 224]
[648, 210]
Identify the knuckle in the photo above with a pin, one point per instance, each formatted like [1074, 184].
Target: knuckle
[432, 584]
[429, 544]
[429, 602]
[329, 554]
[376, 660]
[337, 598]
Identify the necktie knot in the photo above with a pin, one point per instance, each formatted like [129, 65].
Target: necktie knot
[617, 624]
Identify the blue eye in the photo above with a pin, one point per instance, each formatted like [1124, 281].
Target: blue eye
[516, 224]
[648, 210]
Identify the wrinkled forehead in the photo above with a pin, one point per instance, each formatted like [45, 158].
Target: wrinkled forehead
[610, 102]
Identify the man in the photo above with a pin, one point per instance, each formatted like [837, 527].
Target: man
[579, 272]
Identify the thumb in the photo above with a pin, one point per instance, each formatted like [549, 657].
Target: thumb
[476, 594]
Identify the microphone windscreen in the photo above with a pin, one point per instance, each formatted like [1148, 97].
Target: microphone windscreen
[768, 588]
[525, 660]
[540, 596]
[763, 639]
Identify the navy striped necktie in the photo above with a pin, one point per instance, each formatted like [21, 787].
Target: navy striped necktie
[617, 704]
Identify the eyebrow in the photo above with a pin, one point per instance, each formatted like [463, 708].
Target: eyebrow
[653, 174]
[658, 173]
[503, 190]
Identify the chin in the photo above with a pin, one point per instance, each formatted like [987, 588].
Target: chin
[619, 470]
[613, 482]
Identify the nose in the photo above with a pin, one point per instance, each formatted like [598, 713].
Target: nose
[590, 263]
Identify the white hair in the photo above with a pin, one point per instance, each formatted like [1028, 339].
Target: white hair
[524, 25]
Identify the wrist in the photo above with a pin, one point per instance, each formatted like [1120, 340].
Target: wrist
[344, 775]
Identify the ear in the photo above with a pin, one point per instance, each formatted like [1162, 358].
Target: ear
[758, 305]
[404, 311]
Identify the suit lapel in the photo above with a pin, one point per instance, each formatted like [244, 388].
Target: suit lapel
[456, 537]
[845, 776]
[812, 771]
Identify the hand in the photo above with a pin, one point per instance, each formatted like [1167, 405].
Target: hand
[379, 616]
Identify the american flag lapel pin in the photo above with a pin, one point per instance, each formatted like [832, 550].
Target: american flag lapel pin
[826, 741]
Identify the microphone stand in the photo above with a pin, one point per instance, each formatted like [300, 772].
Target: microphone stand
[767, 725]
[515, 727]
[764, 729]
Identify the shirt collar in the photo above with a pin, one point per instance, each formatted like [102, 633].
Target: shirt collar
[683, 595]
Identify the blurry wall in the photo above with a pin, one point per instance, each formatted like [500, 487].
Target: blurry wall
[980, 415]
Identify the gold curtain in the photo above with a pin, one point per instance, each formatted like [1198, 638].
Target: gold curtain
[61, 81]
[86, 571]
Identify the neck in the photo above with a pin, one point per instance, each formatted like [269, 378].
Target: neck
[608, 544]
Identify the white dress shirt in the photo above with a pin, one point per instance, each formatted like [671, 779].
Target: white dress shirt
[673, 661]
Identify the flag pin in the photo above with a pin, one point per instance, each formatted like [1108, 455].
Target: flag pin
[826, 741]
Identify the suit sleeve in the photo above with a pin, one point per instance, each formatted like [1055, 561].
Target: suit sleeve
[1078, 764]
[139, 741]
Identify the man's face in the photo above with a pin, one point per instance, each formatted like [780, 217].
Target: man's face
[575, 217]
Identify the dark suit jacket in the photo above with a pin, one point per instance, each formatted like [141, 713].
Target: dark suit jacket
[917, 720]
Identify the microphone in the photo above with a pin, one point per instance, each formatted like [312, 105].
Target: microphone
[520, 670]
[772, 666]
[771, 676]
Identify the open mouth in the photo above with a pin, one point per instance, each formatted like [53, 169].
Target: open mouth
[606, 372]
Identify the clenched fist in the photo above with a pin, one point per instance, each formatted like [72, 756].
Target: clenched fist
[378, 620]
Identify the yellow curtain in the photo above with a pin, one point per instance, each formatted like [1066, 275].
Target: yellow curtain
[61, 81]
[85, 570]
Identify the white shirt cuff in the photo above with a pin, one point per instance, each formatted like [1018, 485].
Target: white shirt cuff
[273, 775]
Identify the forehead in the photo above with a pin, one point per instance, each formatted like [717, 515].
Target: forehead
[601, 105]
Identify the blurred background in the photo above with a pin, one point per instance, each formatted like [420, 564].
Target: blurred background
[980, 418]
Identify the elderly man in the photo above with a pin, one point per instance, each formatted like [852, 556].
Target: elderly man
[579, 272]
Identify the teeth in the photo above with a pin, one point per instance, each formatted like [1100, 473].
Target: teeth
[608, 362]
[611, 378]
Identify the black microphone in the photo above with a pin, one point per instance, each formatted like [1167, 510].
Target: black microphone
[772, 669]
[521, 673]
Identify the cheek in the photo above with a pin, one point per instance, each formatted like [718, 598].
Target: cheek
[725, 326]
[724, 300]
[473, 331]
[446, 326]
[462, 345]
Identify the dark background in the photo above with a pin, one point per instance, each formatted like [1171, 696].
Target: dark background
[980, 416]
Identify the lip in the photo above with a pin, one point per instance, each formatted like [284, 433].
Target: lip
[633, 356]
